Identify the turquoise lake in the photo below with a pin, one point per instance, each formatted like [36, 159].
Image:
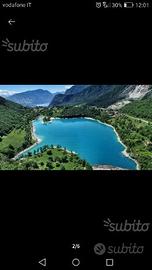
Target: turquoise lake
[91, 140]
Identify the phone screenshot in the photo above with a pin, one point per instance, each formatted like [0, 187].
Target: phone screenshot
[75, 134]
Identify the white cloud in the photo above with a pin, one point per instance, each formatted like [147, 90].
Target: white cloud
[6, 93]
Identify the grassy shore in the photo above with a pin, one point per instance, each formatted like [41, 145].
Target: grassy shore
[35, 141]
[13, 142]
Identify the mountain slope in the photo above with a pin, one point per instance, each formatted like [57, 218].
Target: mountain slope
[67, 97]
[32, 98]
[11, 115]
[140, 109]
[75, 89]
[86, 94]
[101, 95]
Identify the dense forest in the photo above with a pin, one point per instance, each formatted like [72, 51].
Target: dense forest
[140, 109]
[137, 136]
[76, 111]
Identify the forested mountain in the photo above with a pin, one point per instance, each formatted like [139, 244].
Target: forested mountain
[100, 95]
[75, 89]
[140, 109]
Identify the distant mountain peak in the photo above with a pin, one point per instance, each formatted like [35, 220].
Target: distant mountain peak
[32, 98]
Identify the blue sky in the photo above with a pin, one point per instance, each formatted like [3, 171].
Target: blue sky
[12, 89]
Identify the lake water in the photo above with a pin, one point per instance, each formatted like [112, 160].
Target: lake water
[91, 140]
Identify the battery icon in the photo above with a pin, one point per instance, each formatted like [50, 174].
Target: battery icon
[128, 5]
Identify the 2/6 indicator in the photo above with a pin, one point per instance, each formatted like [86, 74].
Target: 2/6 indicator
[75, 246]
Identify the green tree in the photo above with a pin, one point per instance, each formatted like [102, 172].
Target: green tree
[29, 154]
[10, 153]
[58, 146]
[11, 147]
[64, 159]
[88, 167]
[62, 168]
[42, 163]
[49, 152]
[35, 165]
[49, 165]
[57, 164]
[28, 165]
